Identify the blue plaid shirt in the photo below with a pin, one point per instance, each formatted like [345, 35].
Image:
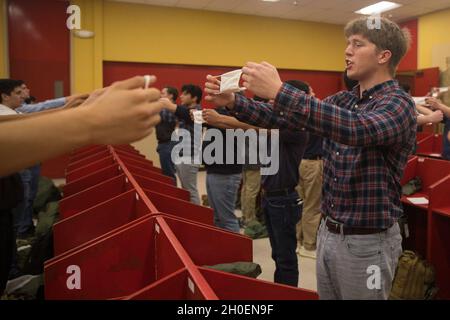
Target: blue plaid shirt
[367, 142]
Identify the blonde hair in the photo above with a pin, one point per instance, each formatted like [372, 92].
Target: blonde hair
[388, 36]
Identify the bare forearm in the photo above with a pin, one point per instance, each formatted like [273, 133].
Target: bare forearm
[26, 141]
[421, 120]
[423, 110]
[445, 109]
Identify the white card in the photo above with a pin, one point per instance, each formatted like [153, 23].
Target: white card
[419, 100]
[198, 117]
[147, 81]
[419, 200]
[229, 82]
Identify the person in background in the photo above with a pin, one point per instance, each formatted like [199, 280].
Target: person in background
[437, 105]
[310, 190]
[281, 205]
[187, 168]
[164, 132]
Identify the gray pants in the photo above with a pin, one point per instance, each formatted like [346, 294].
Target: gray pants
[357, 266]
[187, 173]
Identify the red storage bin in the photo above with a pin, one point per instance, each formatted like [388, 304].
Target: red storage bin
[119, 265]
[94, 195]
[92, 223]
[181, 208]
[89, 169]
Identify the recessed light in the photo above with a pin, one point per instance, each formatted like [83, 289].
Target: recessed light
[270, 0]
[379, 7]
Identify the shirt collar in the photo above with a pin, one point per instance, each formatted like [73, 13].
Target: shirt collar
[379, 88]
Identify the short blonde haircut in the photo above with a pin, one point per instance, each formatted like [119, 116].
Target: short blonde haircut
[389, 36]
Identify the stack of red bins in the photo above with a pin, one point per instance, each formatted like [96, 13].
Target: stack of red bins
[125, 232]
[429, 223]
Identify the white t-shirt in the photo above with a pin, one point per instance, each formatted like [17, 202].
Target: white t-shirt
[6, 111]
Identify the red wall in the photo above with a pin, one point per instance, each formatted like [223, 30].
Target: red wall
[324, 83]
[39, 45]
[409, 62]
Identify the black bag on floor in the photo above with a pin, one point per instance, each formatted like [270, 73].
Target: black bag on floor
[42, 247]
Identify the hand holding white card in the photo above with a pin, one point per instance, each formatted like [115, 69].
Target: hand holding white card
[229, 82]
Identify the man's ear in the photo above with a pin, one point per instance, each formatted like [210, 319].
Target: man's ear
[3, 97]
[384, 56]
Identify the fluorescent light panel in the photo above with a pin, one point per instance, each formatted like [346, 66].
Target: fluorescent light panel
[378, 7]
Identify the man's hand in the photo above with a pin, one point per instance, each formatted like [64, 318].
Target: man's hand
[123, 112]
[168, 105]
[262, 79]
[212, 89]
[76, 100]
[94, 96]
[211, 117]
[434, 103]
[436, 117]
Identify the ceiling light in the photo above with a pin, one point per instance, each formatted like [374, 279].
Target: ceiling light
[270, 0]
[379, 7]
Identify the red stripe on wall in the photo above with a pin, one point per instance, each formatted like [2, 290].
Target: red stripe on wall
[324, 83]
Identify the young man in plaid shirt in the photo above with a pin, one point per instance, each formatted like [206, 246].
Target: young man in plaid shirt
[368, 134]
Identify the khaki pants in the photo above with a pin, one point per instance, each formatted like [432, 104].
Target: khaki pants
[251, 184]
[310, 190]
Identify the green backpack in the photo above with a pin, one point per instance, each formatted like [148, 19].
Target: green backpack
[414, 279]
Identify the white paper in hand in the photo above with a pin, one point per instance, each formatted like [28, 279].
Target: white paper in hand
[419, 100]
[198, 117]
[229, 82]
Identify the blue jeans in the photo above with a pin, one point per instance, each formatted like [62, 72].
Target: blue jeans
[222, 190]
[23, 213]
[167, 166]
[282, 214]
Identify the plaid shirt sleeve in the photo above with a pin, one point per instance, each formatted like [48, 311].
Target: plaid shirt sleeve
[387, 124]
[167, 116]
[257, 113]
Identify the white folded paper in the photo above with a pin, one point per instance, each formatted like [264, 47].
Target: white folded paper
[418, 200]
[419, 100]
[198, 117]
[229, 82]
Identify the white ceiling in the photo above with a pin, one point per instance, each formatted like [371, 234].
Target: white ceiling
[328, 11]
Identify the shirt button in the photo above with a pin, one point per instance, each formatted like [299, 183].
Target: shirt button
[303, 129]
[370, 97]
[337, 153]
[335, 179]
[356, 106]
[332, 205]
[281, 113]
